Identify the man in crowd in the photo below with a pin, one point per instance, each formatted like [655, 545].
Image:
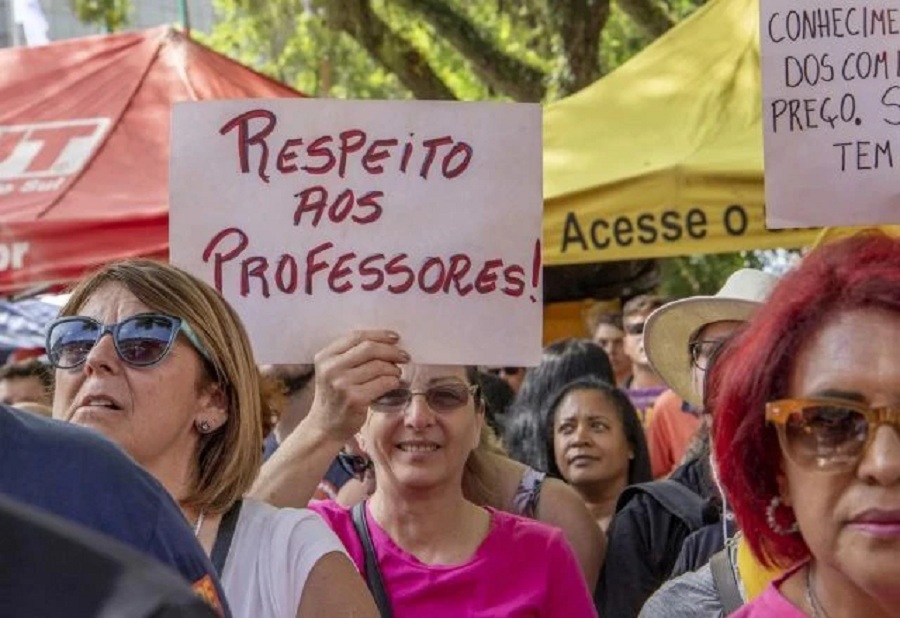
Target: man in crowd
[29, 381]
[609, 334]
[653, 520]
[513, 376]
[645, 385]
[76, 474]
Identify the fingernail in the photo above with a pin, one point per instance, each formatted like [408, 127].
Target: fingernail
[392, 335]
[404, 356]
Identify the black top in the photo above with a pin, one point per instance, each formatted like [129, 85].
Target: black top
[644, 542]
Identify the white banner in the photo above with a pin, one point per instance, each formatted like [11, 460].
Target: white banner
[317, 217]
[831, 109]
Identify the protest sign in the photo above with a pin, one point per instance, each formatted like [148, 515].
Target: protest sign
[831, 111]
[318, 217]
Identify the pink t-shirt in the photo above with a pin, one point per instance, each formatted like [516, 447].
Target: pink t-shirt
[771, 603]
[522, 568]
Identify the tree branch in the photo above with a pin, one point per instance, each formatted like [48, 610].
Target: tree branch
[578, 24]
[356, 18]
[649, 15]
[504, 73]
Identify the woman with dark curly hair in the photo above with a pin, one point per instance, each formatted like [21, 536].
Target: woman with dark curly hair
[806, 433]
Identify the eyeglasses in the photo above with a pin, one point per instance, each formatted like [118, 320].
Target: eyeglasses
[827, 433]
[440, 398]
[636, 328]
[702, 351]
[141, 340]
[354, 465]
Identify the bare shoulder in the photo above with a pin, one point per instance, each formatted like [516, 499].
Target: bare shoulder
[332, 573]
[561, 506]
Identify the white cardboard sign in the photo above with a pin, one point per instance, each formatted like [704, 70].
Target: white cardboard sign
[831, 112]
[317, 217]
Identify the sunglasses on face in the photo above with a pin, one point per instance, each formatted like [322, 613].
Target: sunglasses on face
[141, 341]
[354, 465]
[440, 398]
[827, 434]
[636, 328]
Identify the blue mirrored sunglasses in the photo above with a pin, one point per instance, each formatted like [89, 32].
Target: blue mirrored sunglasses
[142, 340]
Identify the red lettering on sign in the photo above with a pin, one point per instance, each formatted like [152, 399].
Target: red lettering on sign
[246, 140]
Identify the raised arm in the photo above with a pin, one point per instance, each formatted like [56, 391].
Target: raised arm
[350, 373]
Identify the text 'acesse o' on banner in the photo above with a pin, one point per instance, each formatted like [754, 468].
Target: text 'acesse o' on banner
[318, 217]
[831, 110]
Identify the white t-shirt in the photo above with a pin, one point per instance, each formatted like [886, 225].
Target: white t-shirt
[271, 555]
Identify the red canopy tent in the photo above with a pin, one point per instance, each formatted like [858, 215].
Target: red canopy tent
[84, 147]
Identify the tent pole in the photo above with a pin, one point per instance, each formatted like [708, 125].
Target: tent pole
[185, 17]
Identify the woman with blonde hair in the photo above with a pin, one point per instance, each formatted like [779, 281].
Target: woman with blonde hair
[176, 386]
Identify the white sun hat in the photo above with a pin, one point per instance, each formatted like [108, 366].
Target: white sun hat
[669, 329]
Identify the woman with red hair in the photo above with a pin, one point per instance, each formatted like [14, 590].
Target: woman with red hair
[807, 408]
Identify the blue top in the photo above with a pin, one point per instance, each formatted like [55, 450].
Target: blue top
[81, 476]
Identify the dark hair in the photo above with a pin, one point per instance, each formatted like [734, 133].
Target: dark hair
[639, 466]
[859, 272]
[610, 319]
[29, 369]
[562, 362]
[645, 303]
[498, 396]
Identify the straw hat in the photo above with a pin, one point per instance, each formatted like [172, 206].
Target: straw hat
[669, 329]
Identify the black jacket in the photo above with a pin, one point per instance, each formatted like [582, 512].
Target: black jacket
[644, 542]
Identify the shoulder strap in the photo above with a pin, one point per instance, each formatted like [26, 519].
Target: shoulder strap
[373, 572]
[224, 537]
[673, 496]
[726, 584]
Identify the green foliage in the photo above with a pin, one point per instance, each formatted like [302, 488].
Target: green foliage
[703, 274]
[111, 14]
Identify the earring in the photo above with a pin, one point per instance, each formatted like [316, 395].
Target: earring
[203, 427]
[771, 519]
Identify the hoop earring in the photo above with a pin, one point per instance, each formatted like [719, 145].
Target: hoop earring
[772, 520]
[203, 427]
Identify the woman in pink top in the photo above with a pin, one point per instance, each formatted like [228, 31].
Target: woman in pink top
[438, 553]
[807, 408]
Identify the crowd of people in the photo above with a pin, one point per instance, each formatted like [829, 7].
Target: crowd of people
[734, 454]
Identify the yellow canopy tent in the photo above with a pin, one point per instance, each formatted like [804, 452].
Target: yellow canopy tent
[664, 156]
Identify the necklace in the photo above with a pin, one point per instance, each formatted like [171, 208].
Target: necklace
[199, 525]
[811, 599]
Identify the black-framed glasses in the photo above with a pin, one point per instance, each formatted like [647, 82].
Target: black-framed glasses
[142, 340]
[354, 465]
[635, 328]
[440, 397]
[702, 351]
[827, 433]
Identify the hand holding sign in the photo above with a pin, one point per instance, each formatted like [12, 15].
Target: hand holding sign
[314, 218]
[350, 373]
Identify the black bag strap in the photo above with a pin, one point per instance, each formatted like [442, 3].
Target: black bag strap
[675, 497]
[726, 584]
[224, 537]
[373, 572]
